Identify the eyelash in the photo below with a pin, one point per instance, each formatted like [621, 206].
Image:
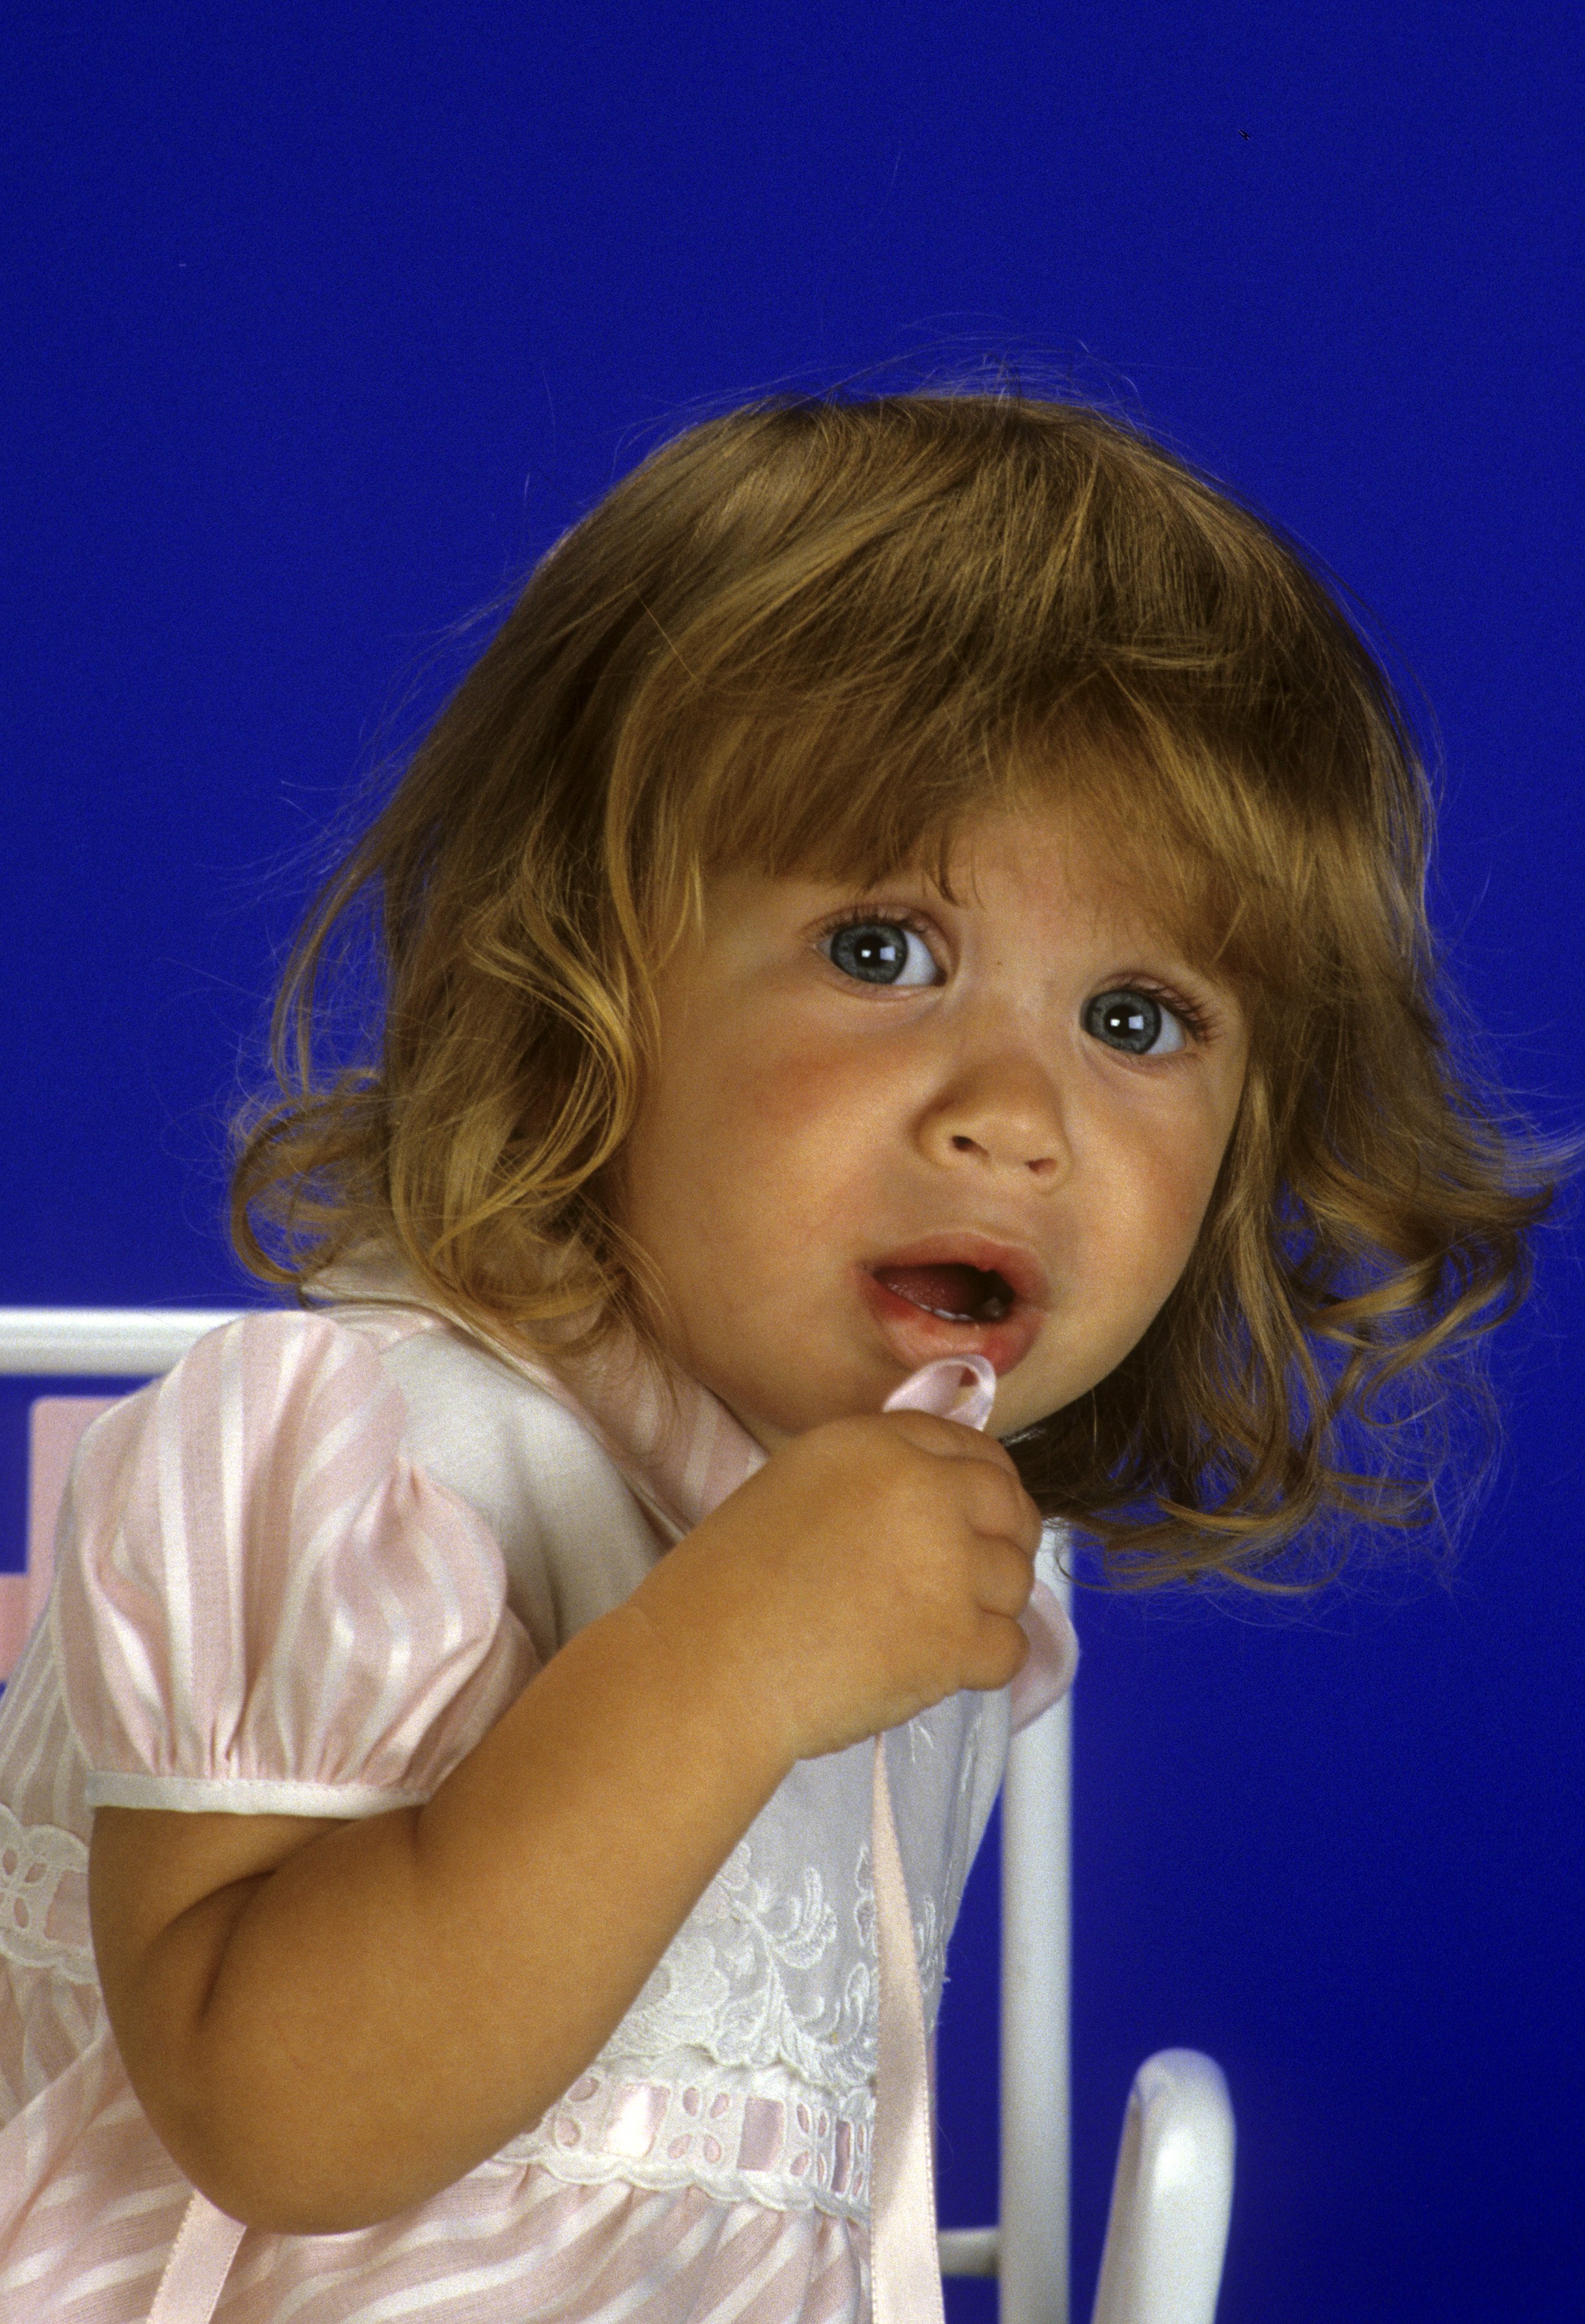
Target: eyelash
[1195, 1019]
[885, 916]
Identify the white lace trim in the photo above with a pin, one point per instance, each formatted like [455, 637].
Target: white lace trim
[748, 1980]
[34, 1860]
[773, 1973]
[776, 2143]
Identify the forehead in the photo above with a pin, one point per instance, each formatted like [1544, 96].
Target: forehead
[1056, 846]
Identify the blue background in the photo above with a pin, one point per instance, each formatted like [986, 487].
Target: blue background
[322, 322]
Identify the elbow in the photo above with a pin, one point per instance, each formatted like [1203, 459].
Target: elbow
[287, 2211]
[294, 2184]
[278, 2203]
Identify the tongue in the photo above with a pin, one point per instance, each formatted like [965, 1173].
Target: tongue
[963, 1293]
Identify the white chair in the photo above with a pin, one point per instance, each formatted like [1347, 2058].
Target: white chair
[1173, 2191]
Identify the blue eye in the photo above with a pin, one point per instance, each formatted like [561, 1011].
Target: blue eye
[881, 951]
[1135, 1023]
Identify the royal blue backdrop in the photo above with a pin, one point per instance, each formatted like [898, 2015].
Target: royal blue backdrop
[323, 321]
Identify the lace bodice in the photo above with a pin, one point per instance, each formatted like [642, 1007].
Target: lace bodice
[752, 2048]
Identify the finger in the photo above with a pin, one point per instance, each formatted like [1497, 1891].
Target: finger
[995, 1501]
[1009, 1518]
[998, 1653]
[1005, 1581]
[998, 1505]
[950, 1440]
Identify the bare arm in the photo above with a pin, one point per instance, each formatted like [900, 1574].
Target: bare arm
[381, 1990]
[328, 2024]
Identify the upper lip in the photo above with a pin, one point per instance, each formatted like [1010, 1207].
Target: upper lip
[1020, 1269]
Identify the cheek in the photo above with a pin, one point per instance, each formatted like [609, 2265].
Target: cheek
[1185, 1197]
[1170, 1182]
[1196, 1195]
[743, 1128]
[778, 1083]
[804, 1144]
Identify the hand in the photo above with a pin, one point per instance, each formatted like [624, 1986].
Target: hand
[869, 1569]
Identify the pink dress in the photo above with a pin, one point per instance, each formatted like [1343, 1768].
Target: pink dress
[304, 1574]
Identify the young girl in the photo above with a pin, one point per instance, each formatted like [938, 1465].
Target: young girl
[920, 895]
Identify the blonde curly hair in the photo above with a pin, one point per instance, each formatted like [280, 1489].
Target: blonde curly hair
[819, 635]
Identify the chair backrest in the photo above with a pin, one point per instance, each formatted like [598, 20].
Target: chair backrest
[55, 1425]
[128, 1343]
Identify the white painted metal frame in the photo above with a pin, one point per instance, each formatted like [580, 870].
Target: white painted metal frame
[101, 1342]
[1173, 2191]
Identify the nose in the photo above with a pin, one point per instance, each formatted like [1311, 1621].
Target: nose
[1003, 1114]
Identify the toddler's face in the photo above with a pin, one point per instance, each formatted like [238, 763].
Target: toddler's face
[887, 1128]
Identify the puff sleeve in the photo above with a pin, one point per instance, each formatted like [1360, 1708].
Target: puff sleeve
[262, 1605]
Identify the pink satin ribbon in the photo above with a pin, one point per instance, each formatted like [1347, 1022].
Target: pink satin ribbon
[905, 2266]
[199, 2263]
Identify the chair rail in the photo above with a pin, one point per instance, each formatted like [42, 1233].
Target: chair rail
[1172, 2196]
[101, 1342]
[969, 2251]
[1033, 2237]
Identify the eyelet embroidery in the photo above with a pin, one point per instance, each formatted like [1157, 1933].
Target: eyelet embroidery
[746, 2065]
[788, 2150]
[37, 1921]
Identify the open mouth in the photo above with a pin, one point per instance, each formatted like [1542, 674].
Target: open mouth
[957, 1293]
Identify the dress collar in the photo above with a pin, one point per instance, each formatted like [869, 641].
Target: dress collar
[677, 1444]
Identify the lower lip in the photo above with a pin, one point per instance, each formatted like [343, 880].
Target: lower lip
[917, 1336]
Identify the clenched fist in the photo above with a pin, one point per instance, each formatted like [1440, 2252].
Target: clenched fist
[871, 1568]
